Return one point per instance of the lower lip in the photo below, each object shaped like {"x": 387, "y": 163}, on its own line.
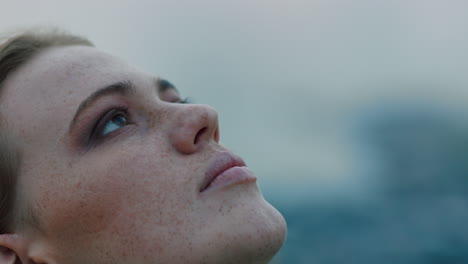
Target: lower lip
{"x": 230, "y": 177}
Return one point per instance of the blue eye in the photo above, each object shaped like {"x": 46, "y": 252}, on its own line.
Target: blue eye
{"x": 116, "y": 122}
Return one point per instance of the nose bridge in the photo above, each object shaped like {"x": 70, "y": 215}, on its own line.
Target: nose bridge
{"x": 194, "y": 126}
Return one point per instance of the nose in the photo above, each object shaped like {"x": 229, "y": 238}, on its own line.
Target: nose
{"x": 194, "y": 127}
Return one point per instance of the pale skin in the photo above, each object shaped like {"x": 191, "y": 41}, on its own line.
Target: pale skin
{"x": 124, "y": 190}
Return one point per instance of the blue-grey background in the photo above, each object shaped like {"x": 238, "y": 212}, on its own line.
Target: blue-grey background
{"x": 352, "y": 113}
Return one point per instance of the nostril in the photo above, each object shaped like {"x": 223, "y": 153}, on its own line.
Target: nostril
{"x": 199, "y": 134}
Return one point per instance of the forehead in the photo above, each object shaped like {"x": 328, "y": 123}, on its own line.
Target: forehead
{"x": 45, "y": 92}
{"x": 61, "y": 71}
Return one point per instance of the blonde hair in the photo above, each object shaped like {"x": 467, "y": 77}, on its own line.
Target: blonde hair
{"x": 16, "y": 49}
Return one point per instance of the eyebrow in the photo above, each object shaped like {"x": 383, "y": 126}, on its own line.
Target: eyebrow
{"x": 123, "y": 88}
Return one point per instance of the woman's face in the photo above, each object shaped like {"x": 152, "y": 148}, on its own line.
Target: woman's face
{"x": 115, "y": 168}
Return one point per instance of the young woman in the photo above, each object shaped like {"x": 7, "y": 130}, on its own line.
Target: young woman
{"x": 101, "y": 162}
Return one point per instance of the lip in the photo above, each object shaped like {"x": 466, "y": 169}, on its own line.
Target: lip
{"x": 226, "y": 168}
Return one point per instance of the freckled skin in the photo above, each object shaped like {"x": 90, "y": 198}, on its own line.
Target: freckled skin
{"x": 133, "y": 198}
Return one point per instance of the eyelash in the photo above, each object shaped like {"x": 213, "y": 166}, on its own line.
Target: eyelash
{"x": 105, "y": 118}
{"x": 186, "y": 100}
{"x": 101, "y": 123}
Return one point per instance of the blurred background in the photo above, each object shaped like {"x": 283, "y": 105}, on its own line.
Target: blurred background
{"x": 353, "y": 114}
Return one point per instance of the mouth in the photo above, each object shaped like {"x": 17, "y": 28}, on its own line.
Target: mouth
{"x": 224, "y": 170}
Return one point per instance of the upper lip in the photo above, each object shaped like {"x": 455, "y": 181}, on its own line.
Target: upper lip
{"x": 220, "y": 163}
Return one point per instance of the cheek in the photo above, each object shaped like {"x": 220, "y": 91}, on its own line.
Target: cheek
{"x": 81, "y": 201}
{"x": 158, "y": 193}
{"x": 123, "y": 193}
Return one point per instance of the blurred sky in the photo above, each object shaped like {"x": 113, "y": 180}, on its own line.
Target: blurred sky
{"x": 290, "y": 79}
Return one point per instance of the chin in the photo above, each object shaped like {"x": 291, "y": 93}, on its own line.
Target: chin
{"x": 269, "y": 236}
{"x": 252, "y": 232}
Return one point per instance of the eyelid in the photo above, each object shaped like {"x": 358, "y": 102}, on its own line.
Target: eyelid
{"x": 100, "y": 124}
{"x": 186, "y": 100}
{"x": 88, "y": 135}
{"x": 95, "y": 135}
